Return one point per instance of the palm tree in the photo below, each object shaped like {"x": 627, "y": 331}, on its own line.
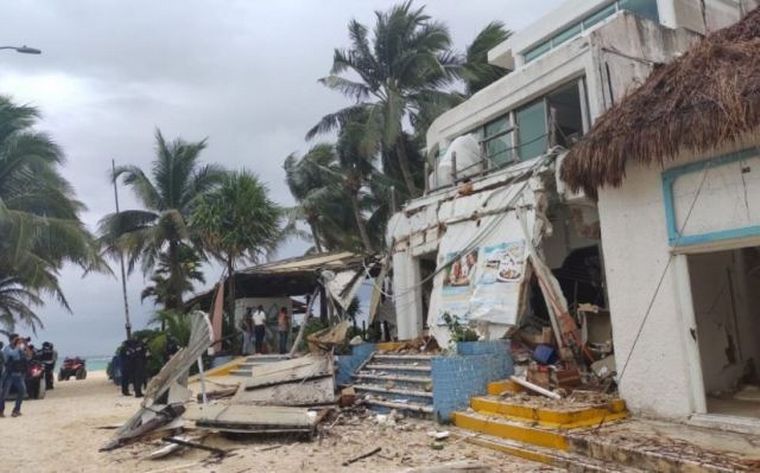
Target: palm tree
{"x": 476, "y": 71}
{"x": 321, "y": 204}
{"x": 39, "y": 217}
{"x": 160, "y": 291}
{"x": 401, "y": 72}
{"x": 237, "y": 221}
{"x": 177, "y": 183}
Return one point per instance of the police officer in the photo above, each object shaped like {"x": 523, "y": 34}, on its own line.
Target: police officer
{"x": 126, "y": 367}
{"x": 48, "y": 356}
{"x": 139, "y": 362}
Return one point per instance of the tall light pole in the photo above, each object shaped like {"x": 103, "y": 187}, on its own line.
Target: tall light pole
{"x": 127, "y": 325}
{"x": 23, "y": 49}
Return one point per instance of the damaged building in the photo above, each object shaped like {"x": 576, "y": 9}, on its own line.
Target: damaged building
{"x": 500, "y": 241}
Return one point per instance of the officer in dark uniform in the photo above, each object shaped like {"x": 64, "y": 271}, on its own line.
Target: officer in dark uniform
{"x": 139, "y": 362}
{"x": 126, "y": 367}
{"x": 48, "y": 356}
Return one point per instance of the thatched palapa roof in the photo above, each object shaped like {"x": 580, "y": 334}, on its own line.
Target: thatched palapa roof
{"x": 707, "y": 97}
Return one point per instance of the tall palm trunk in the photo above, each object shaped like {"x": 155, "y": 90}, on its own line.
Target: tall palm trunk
{"x": 315, "y": 236}
{"x": 360, "y": 224}
{"x": 403, "y": 162}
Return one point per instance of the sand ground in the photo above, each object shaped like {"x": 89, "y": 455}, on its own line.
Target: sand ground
{"x": 62, "y": 433}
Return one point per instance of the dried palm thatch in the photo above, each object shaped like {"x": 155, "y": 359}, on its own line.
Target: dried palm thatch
{"x": 708, "y": 97}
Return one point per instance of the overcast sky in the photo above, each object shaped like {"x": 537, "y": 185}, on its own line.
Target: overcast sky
{"x": 242, "y": 73}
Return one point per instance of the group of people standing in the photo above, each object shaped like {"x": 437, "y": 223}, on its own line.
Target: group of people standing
{"x": 254, "y": 326}
{"x": 14, "y": 362}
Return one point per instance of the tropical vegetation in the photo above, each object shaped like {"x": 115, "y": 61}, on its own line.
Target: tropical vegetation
{"x": 40, "y": 219}
{"x": 159, "y": 235}
{"x": 398, "y": 79}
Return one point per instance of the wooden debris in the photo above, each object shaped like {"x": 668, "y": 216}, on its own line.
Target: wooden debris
{"x": 362, "y": 456}
{"x": 186, "y": 443}
{"x": 535, "y": 388}
{"x": 466, "y": 467}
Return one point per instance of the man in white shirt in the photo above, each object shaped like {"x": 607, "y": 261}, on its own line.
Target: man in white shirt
{"x": 259, "y": 329}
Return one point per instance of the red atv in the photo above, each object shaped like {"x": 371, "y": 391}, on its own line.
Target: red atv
{"x": 72, "y": 367}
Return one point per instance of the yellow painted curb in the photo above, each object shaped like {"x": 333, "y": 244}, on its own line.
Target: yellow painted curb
{"x": 558, "y": 419}
{"x": 498, "y": 387}
{"x": 222, "y": 370}
{"x": 389, "y": 346}
{"x": 523, "y": 453}
{"x": 518, "y": 432}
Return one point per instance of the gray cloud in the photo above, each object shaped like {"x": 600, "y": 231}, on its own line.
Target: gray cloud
{"x": 242, "y": 73}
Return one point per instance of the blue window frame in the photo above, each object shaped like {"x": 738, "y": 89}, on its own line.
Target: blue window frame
{"x": 643, "y": 8}
{"x": 669, "y": 177}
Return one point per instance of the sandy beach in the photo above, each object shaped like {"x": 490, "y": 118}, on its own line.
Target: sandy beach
{"x": 62, "y": 433}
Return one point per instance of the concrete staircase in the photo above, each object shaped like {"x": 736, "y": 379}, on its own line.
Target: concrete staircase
{"x": 244, "y": 369}
{"x": 594, "y": 436}
{"x": 397, "y": 381}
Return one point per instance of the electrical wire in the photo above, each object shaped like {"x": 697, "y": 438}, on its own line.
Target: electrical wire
{"x": 663, "y": 275}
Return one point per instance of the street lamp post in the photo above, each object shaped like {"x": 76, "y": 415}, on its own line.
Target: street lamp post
{"x": 23, "y": 49}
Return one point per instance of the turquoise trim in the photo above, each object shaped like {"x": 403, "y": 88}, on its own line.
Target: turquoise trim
{"x": 671, "y": 175}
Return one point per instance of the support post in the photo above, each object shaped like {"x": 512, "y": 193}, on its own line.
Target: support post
{"x": 453, "y": 167}
{"x": 127, "y": 324}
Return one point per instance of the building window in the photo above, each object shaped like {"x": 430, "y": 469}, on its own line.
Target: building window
{"x": 600, "y": 15}
{"x": 536, "y": 51}
{"x": 531, "y": 130}
{"x": 567, "y": 34}
{"x": 643, "y": 8}
{"x": 497, "y": 141}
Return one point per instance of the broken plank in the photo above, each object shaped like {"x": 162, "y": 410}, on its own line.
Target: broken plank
{"x": 362, "y": 456}
{"x": 186, "y": 443}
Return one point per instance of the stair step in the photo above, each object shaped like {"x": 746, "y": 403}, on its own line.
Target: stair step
{"x": 401, "y": 406}
{"x": 569, "y": 461}
{"x": 567, "y": 418}
{"x": 401, "y": 392}
{"x": 384, "y": 367}
{"x": 394, "y": 379}
{"x": 403, "y": 359}
{"x": 499, "y": 426}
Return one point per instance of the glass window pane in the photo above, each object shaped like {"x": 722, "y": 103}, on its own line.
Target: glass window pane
{"x": 569, "y": 33}
{"x": 531, "y": 129}
{"x": 499, "y": 150}
{"x": 645, "y": 8}
{"x": 494, "y": 127}
{"x": 536, "y": 51}
{"x": 598, "y": 16}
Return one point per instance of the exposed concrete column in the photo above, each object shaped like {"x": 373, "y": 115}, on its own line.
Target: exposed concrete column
{"x": 406, "y": 291}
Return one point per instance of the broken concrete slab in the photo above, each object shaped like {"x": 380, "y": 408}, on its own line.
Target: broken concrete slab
{"x": 314, "y": 392}
{"x": 238, "y": 418}
{"x": 287, "y": 371}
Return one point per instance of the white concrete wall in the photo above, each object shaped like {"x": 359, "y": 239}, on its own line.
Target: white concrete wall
{"x": 627, "y": 44}
{"x": 636, "y": 252}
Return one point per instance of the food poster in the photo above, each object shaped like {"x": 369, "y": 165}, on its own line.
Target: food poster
{"x": 459, "y": 277}
{"x": 497, "y": 292}
{"x": 482, "y": 282}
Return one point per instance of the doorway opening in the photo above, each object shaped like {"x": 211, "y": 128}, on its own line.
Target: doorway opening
{"x": 427, "y": 264}
{"x": 725, "y": 287}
